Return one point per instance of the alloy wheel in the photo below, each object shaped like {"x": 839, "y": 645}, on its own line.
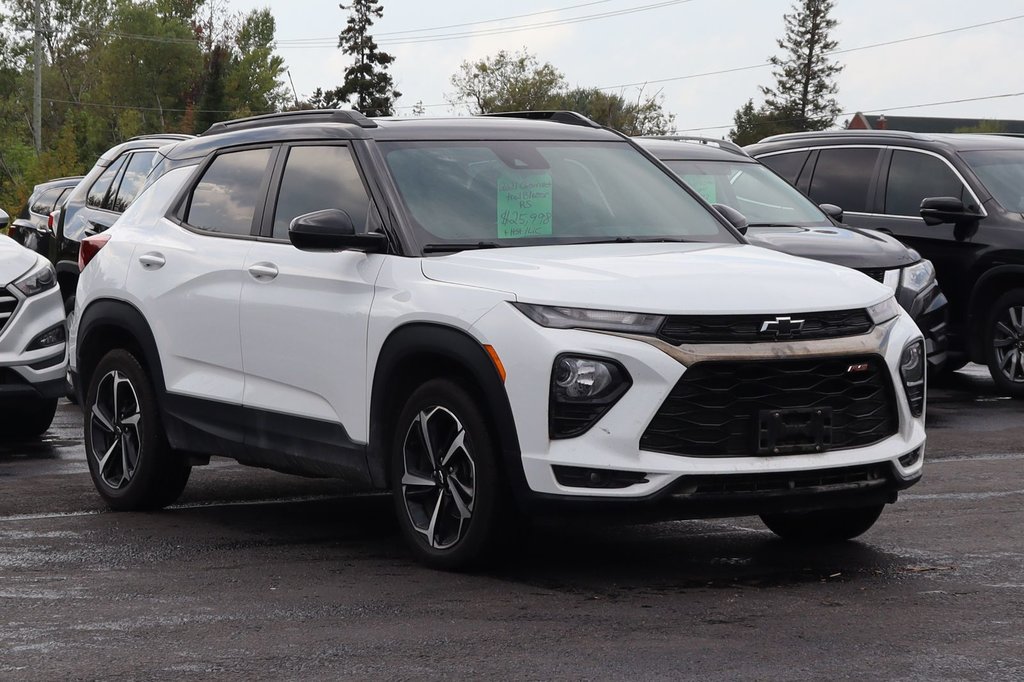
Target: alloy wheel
{"x": 438, "y": 477}
{"x": 1008, "y": 341}
{"x": 116, "y": 437}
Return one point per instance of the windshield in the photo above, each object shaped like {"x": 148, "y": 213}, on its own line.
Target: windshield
{"x": 1002, "y": 173}
{"x": 759, "y": 194}
{"x": 524, "y": 193}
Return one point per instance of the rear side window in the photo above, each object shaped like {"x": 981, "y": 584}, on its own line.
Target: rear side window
{"x": 43, "y": 204}
{"x": 100, "y": 189}
{"x": 914, "y": 176}
{"x": 225, "y": 199}
{"x": 132, "y": 181}
{"x": 843, "y": 177}
{"x": 787, "y": 165}
{"x": 316, "y": 178}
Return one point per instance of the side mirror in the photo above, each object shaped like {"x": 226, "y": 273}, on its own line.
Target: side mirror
{"x": 939, "y": 210}
{"x": 735, "y": 218}
{"x": 832, "y": 211}
{"x": 332, "y": 230}
{"x": 5, "y": 219}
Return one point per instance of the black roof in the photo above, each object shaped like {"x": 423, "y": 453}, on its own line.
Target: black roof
{"x": 953, "y": 142}
{"x": 141, "y": 142}
{"x": 692, "y": 149}
{"x": 305, "y": 126}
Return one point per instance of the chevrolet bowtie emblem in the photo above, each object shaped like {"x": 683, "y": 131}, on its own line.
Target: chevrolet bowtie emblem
{"x": 782, "y": 327}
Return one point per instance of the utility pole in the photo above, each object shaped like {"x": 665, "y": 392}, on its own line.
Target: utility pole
{"x": 37, "y": 94}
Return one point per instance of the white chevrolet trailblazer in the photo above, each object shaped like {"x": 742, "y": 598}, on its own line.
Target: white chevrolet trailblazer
{"x": 491, "y": 317}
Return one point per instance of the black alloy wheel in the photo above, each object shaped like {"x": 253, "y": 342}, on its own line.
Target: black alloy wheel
{"x": 1004, "y": 341}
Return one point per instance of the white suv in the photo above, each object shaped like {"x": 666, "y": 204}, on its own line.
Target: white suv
{"x": 33, "y": 340}
{"x": 490, "y": 317}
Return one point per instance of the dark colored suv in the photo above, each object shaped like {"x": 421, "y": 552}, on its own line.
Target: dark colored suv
{"x": 781, "y": 218}
{"x": 957, "y": 199}
{"x": 33, "y": 228}
{"x": 100, "y": 199}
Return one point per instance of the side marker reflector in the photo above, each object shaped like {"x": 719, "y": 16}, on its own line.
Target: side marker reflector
{"x": 496, "y": 360}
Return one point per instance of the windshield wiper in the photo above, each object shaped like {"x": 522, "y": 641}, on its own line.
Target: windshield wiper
{"x": 770, "y": 225}
{"x": 451, "y": 247}
{"x": 637, "y": 240}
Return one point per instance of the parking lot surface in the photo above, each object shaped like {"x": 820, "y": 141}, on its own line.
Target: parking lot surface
{"x": 255, "y": 575}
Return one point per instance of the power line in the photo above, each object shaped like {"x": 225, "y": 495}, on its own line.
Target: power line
{"x": 762, "y": 65}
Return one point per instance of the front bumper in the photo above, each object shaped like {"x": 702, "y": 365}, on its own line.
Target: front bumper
{"x": 37, "y": 374}
{"x": 930, "y": 310}
{"x": 612, "y": 444}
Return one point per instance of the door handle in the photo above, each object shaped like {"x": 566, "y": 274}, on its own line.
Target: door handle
{"x": 263, "y": 272}
{"x": 152, "y": 261}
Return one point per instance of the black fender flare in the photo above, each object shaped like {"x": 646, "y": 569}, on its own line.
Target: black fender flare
{"x": 456, "y": 347}
{"x": 975, "y": 316}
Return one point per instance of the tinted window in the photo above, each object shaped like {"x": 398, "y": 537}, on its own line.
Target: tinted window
{"x": 1002, "y": 172}
{"x": 787, "y": 165}
{"x": 316, "y": 178}
{"x": 843, "y": 176}
{"x": 225, "y": 199}
{"x": 913, "y": 177}
{"x": 101, "y": 188}
{"x": 131, "y": 182}
{"x": 43, "y": 204}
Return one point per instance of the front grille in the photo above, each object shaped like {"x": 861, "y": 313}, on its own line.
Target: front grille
{"x": 877, "y": 274}
{"x": 715, "y": 409}
{"x": 789, "y": 481}
{"x": 694, "y": 329}
{"x": 8, "y": 304}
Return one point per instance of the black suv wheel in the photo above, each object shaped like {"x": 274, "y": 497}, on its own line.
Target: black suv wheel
{"x": 1004, "y": 342}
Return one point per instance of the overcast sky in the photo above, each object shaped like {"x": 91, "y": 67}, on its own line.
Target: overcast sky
{"x": 682, "y": 38}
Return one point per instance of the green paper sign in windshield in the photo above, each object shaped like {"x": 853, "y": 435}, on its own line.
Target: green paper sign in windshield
{"x": 524, "y": 204}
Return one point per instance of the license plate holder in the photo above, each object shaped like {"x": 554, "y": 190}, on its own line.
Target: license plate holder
{"x": 792, "y": 432}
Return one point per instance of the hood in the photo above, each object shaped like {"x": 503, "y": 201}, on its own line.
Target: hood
{"x": 15, "y": 260}
{"x": 660, "y": 278}
{"x": 860, "y": 249}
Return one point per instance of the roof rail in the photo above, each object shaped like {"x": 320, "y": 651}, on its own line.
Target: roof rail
{"x": 696, "y": 139}
{"x": 898, "y": 134}
{"x": 568, "y": 117}
{"x": 162, "y": 136}
{"x": 289, "y": 117}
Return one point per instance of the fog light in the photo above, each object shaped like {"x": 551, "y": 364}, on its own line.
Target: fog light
{"x": 582, "y": 390}
{"x": 910, "y": 459}
{"x": 51, "y": 337}
{"x": 912, "y": 370}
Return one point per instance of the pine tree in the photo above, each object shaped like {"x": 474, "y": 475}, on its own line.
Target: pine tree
{"x": 367, "y": 80}
{"x": 805, "y": 76}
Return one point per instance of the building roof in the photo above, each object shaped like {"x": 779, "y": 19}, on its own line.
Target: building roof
{"x": 928, "y": 124}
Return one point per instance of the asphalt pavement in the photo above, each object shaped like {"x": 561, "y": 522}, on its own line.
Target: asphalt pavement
{"x": 256, "y": 575}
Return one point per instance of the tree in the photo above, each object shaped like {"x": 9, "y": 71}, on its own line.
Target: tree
{"x": 507, "y": 82}
{"x": 253, "y": 80}
{"x": 756, "y": 123}
{"x": 645, "y": 116}
{"x": 367, "y": 80}
{"x": 805, "y": 76}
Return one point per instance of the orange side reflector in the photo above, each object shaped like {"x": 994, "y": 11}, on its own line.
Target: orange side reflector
{"x": 497, "y": 361}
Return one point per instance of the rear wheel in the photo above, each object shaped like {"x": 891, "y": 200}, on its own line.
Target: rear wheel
{"x": 446, "y": 480}
{"x": 29, "y": 419}
{"x": 131, "y": 464}
{"x": 823, "y": 526}
{"x": 1004, "y": 343}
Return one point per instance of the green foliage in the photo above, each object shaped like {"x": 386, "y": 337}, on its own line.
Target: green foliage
{"x": 642, "y": 117}
{"x": 756, "y": 123}
{"x": 367, "y": 81}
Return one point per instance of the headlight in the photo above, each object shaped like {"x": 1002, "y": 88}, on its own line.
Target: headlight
{"x": 884, "y": 311}
{"x": 558, "y": 317}
{"x": 41, "y": 279}
{"x": 918, "y": 277}
{"x": 583, "y": 389}
{"x": 912, "y": 371}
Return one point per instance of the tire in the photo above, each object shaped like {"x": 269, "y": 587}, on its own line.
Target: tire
{"x": 452, "y": 511}
{"x": 1004, "y": 343}
{"x": 131, "y": 464}
{"x": 69, "y": 311}
{"x": 823, "y": 526}
{"x": 30, "y": 419}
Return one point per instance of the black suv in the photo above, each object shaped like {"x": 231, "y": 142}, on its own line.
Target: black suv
{"x": 781, "y": 218}
{"x": 33, "y": 227}
{"x": 99, "y": 200}
{"x": 957, "y": 199}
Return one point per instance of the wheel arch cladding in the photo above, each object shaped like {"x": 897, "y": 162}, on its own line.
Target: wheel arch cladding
{"x": 418, "y": 352}
{"x": 990, "y": 286}
{"x": 108, "y": 324}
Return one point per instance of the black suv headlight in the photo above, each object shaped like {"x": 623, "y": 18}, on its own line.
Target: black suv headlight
{"x": 41, "y": 278}
{"x": 583, "y": 389}
{"x": 913, "y": 280}
{"x": 912, "y": 370}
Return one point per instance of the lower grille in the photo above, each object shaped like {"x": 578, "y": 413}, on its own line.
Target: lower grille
{"x": 790, "y": 481}
{"x": 8, "y": 304}
{"x": 716, "y": 409}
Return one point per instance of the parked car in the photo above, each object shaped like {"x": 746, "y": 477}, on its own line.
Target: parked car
{"x": 33, "y": 228}
{"x": 33, "y": 340}
{"x": 489, "y": 316}
{"x": 957, "y": 199}
{"x": 99, "y": 199}
{"x": 781, "y": 218}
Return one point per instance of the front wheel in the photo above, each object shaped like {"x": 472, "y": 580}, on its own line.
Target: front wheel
{"x": 131, "y": 464}
{"x": 1004, "y": 343}
{"x": 823, "y": 526}
{"x": 445, "y": 477}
